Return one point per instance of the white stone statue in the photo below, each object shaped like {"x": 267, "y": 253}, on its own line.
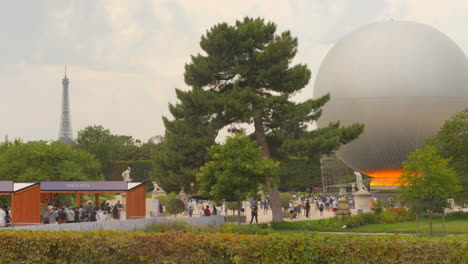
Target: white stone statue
{"x": 126, "y": 175}
{"x": 157, "y": 189}
{"x": 359, "y": 182}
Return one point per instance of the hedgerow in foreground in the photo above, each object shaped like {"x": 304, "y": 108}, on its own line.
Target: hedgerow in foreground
{"x": 112, "y": 247}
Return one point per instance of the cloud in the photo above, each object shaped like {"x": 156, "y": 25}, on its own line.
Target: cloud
{"x": 125, "y": 58}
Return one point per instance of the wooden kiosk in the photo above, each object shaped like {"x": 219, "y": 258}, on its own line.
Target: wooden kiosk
{"x": 26, "y": 197}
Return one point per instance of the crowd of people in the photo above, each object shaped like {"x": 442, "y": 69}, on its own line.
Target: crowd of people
{"x": 60, "y": 214}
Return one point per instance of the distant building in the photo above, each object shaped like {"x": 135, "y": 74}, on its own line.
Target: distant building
{"x": 65, "y": 131}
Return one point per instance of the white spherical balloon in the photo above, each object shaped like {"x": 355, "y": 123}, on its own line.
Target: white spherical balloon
{"x": 402, "y": 80}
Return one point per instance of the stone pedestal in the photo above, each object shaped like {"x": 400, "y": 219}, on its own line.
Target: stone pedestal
{"x": 343, "y": 208}
{"x": 362, "y": 201}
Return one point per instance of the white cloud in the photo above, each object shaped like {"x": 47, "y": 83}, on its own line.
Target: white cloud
{"x": 126, "y": 57}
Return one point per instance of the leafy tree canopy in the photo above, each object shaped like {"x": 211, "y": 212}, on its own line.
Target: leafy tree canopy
{"x": 452, "y": 142}
{"x": 427, "y": 181}
{"x": 43, "y": 161}
{"x": 237, "y": 169}
{"x": 108, "y": 147}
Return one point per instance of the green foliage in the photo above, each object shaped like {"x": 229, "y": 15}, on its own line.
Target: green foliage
{"x": 43, "y": 161}
{"x": 452, "y": 143}
{"x": 233, "y": 206}
{"x": 237, "y": 168}
{"x": 258, "y": 229}
{"x": 285, "y": 199}
{"x": 163, "y": 199}
{"x": 98, "y": 141}
{"x": 171, "y": 247}
{"x": 108, "y": 147}
{"x": 427, "y": 182}
{"x": 175, "y": 206}
{"x": 169, "y": 227}
{"x": 299, "y": 174}
{"x": 235, "y": 218}
{"x": 457, "y": 215}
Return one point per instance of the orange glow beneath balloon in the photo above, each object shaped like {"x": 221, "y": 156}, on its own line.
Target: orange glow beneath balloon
{"x": 384, "y": 177}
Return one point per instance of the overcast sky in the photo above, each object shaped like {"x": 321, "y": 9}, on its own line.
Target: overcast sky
{"x": 125, "y": 58}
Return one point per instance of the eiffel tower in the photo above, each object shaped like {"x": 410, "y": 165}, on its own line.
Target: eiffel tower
{"x": 65, "y": 131}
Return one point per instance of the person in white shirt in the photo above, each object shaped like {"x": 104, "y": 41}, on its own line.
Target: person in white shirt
{"x": 2, "y": 218}
{"x": 291, "y": 210}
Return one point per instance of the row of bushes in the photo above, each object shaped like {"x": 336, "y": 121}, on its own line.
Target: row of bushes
{"x": 387, "y": 216}
{"x": 111, "y": 247}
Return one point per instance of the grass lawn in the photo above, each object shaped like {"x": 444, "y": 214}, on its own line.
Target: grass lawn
{"x": 456, "y": 226}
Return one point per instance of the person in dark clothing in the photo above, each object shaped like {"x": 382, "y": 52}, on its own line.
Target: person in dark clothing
{"x": 115, "y": 212}
{"x": 92, "y": 216}
{"x": 307, "y": 207}
{"x": 215, "y": 211}
{"x": 254, "y": 214}
{"x": 77, "y": 215}
{"x": 62, "y": 215}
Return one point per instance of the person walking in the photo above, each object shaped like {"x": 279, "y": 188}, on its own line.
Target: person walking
{"x": 307, "y": 208}
{"x": 320, "y": 207}
{"x": 254, "y": 214}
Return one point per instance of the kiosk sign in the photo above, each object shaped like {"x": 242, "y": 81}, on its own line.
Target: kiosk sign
{"x": 85, "y": 186}
{"x": 6, "y": 186}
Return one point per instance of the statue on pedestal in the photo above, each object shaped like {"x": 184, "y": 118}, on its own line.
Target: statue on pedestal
{"x": 359, "y": 182}
{"x": 126, "y": 175}
{"x": 362, "y": 196}
{"x": 157, "y": 189}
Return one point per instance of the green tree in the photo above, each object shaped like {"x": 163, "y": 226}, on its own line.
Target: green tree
{"x": 298, "y": 174}
{"x": 98, "y": 141}
{"x": 452, "y": 142}
{"x": 427, "y": 182}
{"x": 43, "y": 161}
{"x": 237, "y": 169}
{"x": 179, "y": 155}
{"x": 245, "y": 77}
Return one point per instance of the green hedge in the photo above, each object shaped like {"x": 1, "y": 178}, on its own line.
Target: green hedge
{"x": 114, "y": 247}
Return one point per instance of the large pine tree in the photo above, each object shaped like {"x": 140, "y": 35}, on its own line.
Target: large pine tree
{"x": 245, "y": 76}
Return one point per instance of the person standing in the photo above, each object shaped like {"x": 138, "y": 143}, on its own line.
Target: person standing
{"x": 77, "y": 215}
{"x": 115, "y": 212}
{"x": 215, "y": 211}
{"x": 254, "y": 214}
{"x": 307, "y": 208}
{"x": 207, "y": 212}
{"x": 335, "y": 205}
{"x": 70, "y": 214}
{"x": 53, "y": 214}
{"x": 320, "y": 207}
{"x": 291, "y": 210}
{"x": 3, "y": 216}
{"x": 190, "y": 208}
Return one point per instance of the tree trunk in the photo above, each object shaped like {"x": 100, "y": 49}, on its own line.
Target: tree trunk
{"x": 417, "y": 224}
{"x": 238, "y": 213}
{"x": 275, "y": 201}
{"x": 443, "y": 223}
{"x": 430, "y": 223}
